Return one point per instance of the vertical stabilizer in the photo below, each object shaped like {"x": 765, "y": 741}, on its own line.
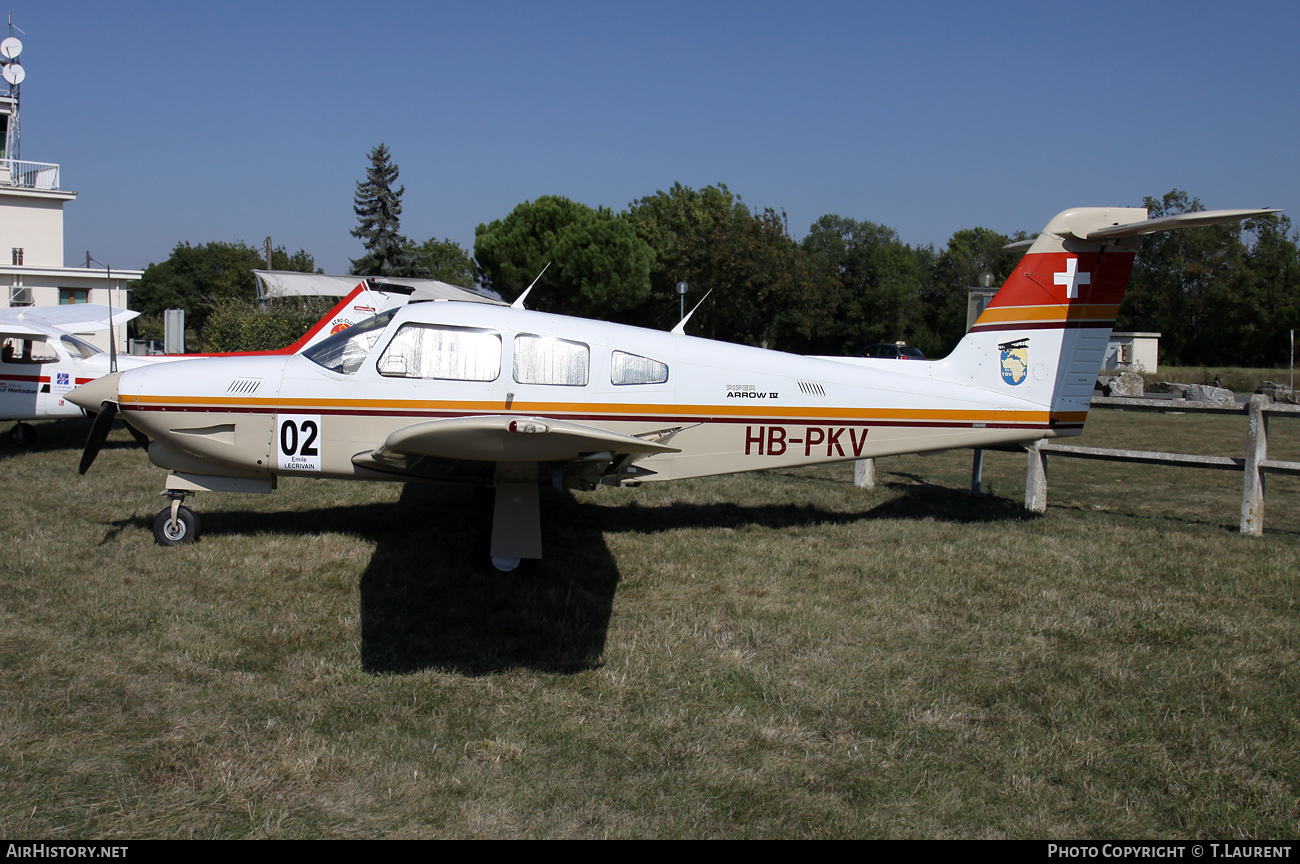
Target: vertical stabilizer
{"x": 1044, "y": 335}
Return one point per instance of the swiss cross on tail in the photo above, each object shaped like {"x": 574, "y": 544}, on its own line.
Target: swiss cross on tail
{"x": 1074, "y": 273}
{"x": 1055, "y": 287}
{"x": 1072, "y": 279}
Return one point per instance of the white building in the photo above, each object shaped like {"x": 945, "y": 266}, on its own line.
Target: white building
{"x": 31, "y": 227}
{"x": 1132, "y": 352}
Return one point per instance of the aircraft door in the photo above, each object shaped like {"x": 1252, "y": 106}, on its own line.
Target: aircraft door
{"x": 23, "y": 371}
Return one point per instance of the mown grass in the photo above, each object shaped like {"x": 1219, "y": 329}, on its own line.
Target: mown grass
{"x": 767, "y": 655}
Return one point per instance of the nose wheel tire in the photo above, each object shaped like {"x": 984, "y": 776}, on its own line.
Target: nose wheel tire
{"x": 185, "y": 528}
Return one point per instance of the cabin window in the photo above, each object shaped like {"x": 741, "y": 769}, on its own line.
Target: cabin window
{"x": 448, "y": 353}
{"x": 344, "y": 351}
{"x": 627, "y": 368}
{"x": 547, "y": 360}
{"x": 27, "y": 351}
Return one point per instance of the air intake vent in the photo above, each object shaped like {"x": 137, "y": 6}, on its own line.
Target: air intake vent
{"x": 812, "y": 388}
{"x": 244, "y": 386}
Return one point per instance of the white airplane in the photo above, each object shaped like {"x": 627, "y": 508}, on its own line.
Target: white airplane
{"x": 43, "y": 359}
{"x": 512, "y": 398}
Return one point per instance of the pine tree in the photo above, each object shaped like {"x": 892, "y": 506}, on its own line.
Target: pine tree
{"x": 379, "y": 211}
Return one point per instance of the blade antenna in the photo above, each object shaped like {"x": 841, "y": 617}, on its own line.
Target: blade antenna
{"x": 519, "y": 301}
{"x": 680, "y": 329}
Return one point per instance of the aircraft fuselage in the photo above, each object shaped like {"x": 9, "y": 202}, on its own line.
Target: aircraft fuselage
{"x": 725, "y": 407}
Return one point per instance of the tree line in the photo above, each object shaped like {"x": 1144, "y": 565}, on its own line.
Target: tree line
{"x": 1220, "y": 296}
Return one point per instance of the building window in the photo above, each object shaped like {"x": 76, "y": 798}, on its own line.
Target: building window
{"x": 70, "y": 296}
{"x": 18, "y": 255}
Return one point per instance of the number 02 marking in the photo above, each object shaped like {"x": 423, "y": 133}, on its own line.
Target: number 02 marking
{"x": 289, "y": 438}
{"x": 299, "y": 442}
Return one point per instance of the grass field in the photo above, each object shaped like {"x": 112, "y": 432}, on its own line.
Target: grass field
{"x": 766, "y": 655}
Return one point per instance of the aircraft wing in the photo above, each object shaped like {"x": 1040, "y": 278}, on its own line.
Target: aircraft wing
{"x": 41, "y": 321}
{"x": 503, "y": 438}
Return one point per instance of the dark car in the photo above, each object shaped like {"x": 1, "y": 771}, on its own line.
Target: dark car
{"x": 892, "y": 351}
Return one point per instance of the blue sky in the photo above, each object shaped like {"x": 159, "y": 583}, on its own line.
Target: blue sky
{"x": 232, "y": 120}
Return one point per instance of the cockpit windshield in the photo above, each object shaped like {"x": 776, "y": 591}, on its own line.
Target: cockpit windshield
{"x": 344, "y": 351}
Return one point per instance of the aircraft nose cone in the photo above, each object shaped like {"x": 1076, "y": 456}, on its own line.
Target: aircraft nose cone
{"x": 94, "y": 393}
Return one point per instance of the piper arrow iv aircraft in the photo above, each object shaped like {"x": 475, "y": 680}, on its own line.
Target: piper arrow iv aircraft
{"x": 512, "y": 398}
{"x": 43, "y": 360}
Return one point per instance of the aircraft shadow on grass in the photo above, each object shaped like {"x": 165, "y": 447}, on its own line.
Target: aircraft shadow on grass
{"x": 930, "y": 502}
{"x": 427, "y": 600}
{"x": 66, "y": 434}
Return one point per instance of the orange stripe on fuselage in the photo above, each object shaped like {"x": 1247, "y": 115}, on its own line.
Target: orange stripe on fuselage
{"x": 607, "y": 411}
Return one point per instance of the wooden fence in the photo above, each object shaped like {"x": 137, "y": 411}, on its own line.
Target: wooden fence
{"x": 1254, "y": 466}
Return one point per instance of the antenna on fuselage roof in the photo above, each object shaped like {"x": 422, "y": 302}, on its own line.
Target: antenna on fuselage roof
{"x": 519, "y": 301}
{"x": 680, "y": 329}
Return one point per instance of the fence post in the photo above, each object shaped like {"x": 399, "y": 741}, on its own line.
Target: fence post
{"x": 977, "y": 470}
{"x": 1252, "y": 490}
{"x": 1036, "y": 478}
{"x": 864, "y": 473}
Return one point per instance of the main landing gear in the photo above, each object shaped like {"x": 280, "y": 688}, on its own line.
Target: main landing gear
{"x": 177, "y": 523}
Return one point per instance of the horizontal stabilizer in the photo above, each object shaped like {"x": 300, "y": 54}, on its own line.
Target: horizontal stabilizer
{"x": 1084, "y": 231}
{"x": 1182, "y": 220}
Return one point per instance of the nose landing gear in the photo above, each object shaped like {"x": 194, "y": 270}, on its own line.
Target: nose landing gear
{"x": 176, "y": 524}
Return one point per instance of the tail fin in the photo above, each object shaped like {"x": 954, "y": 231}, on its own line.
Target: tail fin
{"x": 1044, "y": 335}
{"x": 361, "y": 303}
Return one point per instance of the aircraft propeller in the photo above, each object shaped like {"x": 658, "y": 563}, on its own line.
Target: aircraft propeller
{"x": 98, "y": 434}
{"x": 101, "y": 397}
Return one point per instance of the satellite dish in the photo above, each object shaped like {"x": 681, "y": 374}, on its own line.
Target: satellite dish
{"x": 11, "y": 48}
{"x": 15, "y": 74}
